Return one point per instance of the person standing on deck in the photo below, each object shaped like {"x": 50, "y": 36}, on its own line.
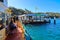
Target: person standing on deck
{"x": 20, "y": 27}
{"x": 12, "y": 26}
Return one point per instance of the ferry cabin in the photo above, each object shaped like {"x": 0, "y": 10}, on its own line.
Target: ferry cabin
{"x": 3, "y": 6}
{"x": 28, "y": 18}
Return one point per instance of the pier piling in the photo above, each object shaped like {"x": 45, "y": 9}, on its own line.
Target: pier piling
{"x": 49, "y": 20}
{"x": 54, "y": 20}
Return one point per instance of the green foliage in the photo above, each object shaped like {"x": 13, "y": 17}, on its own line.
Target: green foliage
{"x": 16, "y": 11}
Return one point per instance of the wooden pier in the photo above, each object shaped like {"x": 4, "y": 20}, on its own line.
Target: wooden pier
{"x": 34, "y": 18}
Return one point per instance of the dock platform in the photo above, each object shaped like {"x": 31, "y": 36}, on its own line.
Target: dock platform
{"x": 34, "y": 18}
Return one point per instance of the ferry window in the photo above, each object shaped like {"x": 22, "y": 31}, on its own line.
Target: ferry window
{"x": 1, "y": 0}
{"x": 1, "y": 24}
{"x": 2, "y": 20}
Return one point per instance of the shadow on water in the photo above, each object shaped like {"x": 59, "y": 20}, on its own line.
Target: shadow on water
{"x": 44, "y": 31}
{"x": 38, "y": 24}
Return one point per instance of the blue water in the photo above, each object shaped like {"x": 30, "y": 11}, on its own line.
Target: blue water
{"x": 45, "y": 31}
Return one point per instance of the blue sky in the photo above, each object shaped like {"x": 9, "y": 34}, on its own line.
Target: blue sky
{"x": 41, "y": 5}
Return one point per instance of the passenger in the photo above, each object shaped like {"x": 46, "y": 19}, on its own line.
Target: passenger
{"x": 7, "y": 29}
{"x": 12, "y": 26}
{"x": 20, "y": 28}
{"x": 19, "y": 24}
{"x": 1, "y": 24}
{"x": 14, "y": 18}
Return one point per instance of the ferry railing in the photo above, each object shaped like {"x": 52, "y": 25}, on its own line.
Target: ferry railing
{"x": 27, "y": 35}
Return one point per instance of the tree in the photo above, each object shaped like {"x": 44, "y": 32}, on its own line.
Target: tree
{"x": 27, "y": 11}
{"x": 17, "y": 11}
{"x": 14, "y": 11}
{"x": 21, "y": 11}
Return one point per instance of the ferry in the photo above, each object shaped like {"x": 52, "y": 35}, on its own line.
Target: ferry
{"x": 34, "y": 18}
{"x": 3, "y": 18}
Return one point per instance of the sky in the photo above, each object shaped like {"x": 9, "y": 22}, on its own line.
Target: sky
{"x": 36, "y": 5}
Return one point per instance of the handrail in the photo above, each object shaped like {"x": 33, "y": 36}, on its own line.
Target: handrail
{"x": 26, "y": 33}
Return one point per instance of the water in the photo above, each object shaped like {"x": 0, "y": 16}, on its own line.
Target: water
{"x": 44, "y": 31}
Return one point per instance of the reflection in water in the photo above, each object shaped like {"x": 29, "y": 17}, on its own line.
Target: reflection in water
{"x": 45, "y": 31}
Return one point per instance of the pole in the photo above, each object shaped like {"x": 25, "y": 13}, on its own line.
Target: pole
{"x": 49, "y": 20}
{"x": 5, "y": 19}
